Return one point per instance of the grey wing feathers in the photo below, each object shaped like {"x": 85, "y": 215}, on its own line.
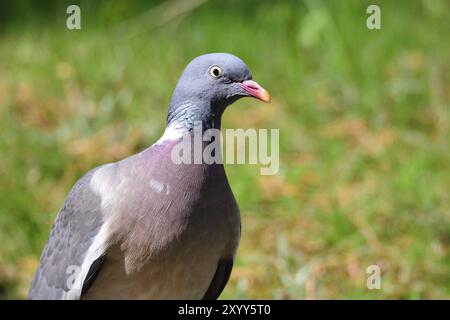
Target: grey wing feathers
{"x": 73, "y": 232}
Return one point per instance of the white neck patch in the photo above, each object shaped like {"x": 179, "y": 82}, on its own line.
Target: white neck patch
{"x": 172, "y": 132}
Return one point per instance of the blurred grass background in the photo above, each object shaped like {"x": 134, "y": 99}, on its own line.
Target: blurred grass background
{"x": 364, "y": 122}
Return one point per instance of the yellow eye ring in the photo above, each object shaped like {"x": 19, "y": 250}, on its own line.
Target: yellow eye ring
{"x": 215, "y": 72}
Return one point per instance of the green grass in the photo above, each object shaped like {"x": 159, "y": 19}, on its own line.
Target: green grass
{"x": 364, "y": 120}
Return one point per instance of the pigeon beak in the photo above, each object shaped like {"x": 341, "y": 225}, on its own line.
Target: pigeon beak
{"x": 255, "y": 90}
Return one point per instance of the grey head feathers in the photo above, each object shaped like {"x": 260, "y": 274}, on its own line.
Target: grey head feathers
{"x": 206, "y": 87}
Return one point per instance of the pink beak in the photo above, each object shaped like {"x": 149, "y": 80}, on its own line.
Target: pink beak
{"x": 255, "y": 90}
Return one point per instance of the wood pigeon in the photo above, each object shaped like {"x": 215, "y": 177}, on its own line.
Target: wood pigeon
{"x": 146, "y": 227}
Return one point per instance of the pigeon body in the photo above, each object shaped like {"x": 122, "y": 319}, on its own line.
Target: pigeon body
{"x": 146, "y": 227}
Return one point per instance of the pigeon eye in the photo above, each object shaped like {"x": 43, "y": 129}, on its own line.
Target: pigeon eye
{"x": 215, "y": 72}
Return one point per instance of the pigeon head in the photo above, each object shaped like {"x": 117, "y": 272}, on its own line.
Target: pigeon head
{"x": 209, "y": 84}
